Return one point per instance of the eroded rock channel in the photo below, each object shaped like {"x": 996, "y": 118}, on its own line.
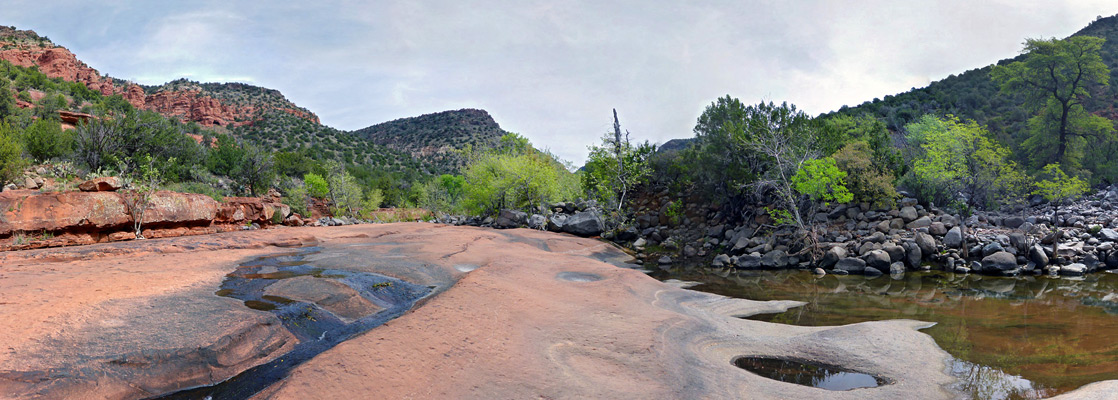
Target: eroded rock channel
{"x": 320, "y": 307}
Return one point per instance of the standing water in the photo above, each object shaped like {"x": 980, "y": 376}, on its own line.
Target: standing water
{"x": 1011, "y": 338}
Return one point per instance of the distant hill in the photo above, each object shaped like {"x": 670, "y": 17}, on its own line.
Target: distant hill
{"x": 973, "y": 95}
{"x": 435, "y": 138}
{"x": 208, "y": 104}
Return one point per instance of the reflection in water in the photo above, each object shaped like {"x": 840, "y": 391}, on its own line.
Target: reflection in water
{"x": 807, "y": 374}
{"x": 1013, "y": 338}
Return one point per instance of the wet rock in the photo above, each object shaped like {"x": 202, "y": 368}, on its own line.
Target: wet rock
{"x": 896, "y": 268}
{"x": 851, "y": 264}
{"x": 1076, "y": 269}
{"x": 749, "y": 261}
{"x": 664, "y": 260}
{"x": 819, "y": 271}
{"x": 999, "y": 262}
{"x": 871, "y": 272}
{"x": 896, "y": 253}
{"x": 333, "y": 296}
{"x": 721, "y": 260}
{"x": 775, "y": 259}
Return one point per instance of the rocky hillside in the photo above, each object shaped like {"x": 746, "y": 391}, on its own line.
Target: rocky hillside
{"x": 209, "y": 104}
{"x": 434, "y": 138}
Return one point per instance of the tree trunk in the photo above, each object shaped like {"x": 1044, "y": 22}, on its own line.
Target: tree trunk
{"x": 1062, "y": 148}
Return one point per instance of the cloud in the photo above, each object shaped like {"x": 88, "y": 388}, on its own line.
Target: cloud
{"x": 554, "y": 70}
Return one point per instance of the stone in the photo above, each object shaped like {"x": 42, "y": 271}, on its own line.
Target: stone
{"x": 954, "y": 238}
{"x": 775, "y": 259}
{"x": 510, "y": 219}
{"x": 878, "y": 259}
{"x": 999, "y": 262}
{"x": 871, "y": 272}
{"x": 908, "y": 202}
{"x": 557, "y": 222}
{"x": 721, "y": 260}
{"x": 585, "y": 224}
{"x": 913, "y": 253}
{"x": 640, "y": 243}
{"x": 1108, "y": 234}
{"x": 1018, "y": 241}
{"x": 908, "y": 213}
{"x": 819, "y": 271}
{"x": 922, "y": 222}
{"x": 537, "y": 221}
{"x": 896, "y": 253}
{"x": 896, "y": 268}
{"x": 926, "y": 242}
{"x": 883, "y": 226}
{"x": 664, "y": 260}
{"x": 104, "y": 184}
{"x": 1076, "y": 269}
{"x": 1038, "y": 256}
{"x": 851, "y": 264}
{"x": 832, "y": 256}
{"x": 749, "y": 261}
{"x": 1013, "y": 222}
{"x": 689, "y": 251}
{"x": 937, "y": 228}
{"x": 991, "y": 248}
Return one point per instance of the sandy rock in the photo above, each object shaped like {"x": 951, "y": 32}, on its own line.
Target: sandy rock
{"x": 103, "y": 184}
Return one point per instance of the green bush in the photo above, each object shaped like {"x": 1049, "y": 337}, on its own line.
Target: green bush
{"x": 11, "y": 154}
{"x": 316, "y": 185}
{"x": 45, "y": 140}
{"x": 865, "y": 180}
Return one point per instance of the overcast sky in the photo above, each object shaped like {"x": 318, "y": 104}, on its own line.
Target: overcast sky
{"x": 551, "y": 71}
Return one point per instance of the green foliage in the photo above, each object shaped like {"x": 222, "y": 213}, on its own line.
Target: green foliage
{"x": 316, "y": 185}
{"x": 1057, "y": 187}
{"x": 297, "y": 198}
{"x": 720, "y": 160}
{"x": 225, "y": 158}
{"x": 866, "y": 181}
{"x": 822, "y": 180}
{"x": 837, "y": 131}
{"x": 344, "y": 192}
{"x": 141, "y": 182}
{"x": 959, "y": 157}
{"x": 255, "y": 170}
{"x": 11, "y": 154}
{"x": 615, "y": 166}
{"x": 1055, "y": 77}
{"x": 517, "y": 178}
{"x": 436, "y": 139}
{"x": 45, "y": 140}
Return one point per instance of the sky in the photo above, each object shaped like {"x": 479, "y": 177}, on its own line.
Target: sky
{"x": 552, "y": 70}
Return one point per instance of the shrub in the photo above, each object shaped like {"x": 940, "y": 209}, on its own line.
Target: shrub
{"x": 866, "y": 181}
{"x": 11, "y": 154}
{"x": 316, "y": 185}
{"x": 45, "y": 140}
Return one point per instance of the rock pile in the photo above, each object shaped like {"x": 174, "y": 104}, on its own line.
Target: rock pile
{"x": 857, "y": 239}
{"x": 582, "y": 218}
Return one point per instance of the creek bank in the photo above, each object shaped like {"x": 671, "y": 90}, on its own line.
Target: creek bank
{"x": 860, "y": 239}
{"x": 580, "y": 218}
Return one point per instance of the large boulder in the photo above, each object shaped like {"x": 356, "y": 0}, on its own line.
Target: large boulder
{"x": 511, "y": 219}
{"x": 586, "y": 224}
{"x": 1075, "y": 269}
{"x": 832, "y": 256}
{"x": 104, "y": 184}
{"x": 1013, "y": 222}
{"x": 557, "y": 222}
{"x": 908, "y": 213}
{"x": 1108, "y": 235}
{"x": 98, "y": 211}
{"x": 878, "y": 259}
{"x": 913, "y": 254}
{"x": 926, "y": 242}
{"x": 999, "y": 262}
{"x": 954, "y": 238}
{"x": 922, "y": 222}
{"x": 1038, "y": 256}
{"x": 851, "y": 264}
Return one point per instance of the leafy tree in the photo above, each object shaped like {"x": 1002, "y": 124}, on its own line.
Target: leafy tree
{"x": 956, "y": 157}
{"x": 256, "y": 169}
{"x": 822, "y": 180}
{"x": 11, "y": 154}
{"x": 1055, "y": 77}
{"x": 7, "y": 102}
{"x": 721, "y": 160}
{"x": 866, "y": 181}
{"x": 1057, "y": 187}
{"x": 225, "y": 158}
{"x": 45, "y": 140}
{"x": 96, "y": 141}
{"x": 345, "y": 194}
{"x": 837, "y": 131}
{"x": 613, "y": 168}
{"x": 316, "y": 185}
{"x": 785, "y": 138}
{"x": 517, "y": 177}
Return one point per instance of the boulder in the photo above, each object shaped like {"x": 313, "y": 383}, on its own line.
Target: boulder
{"x": 878, "y": 259}
{"x": 937, "y": 228}
{"x": 664, "y": 260}
{"x": 832, "y": 256}
{"x": 721, "y": 260}
{"x": 896, "y": 253}
{"x": 851, "y": 264}
{"x": 896, "y": 268}
{"x": 908, "y": 213}
{"x": 511, "y": 219}
{"x": 871, "y": 272}
{"x": 999, "y": 262}
{"x": 1038, "y": 256}
{"x": 557, "y": 222}
{"x": 926, "y": 242}
{"x": 104, "y": 184}
{"x": 1075, "y": 269}
{"x": 1013, "y": 222}
{"x": 585, "y": 224}
{"x": 922, "y": 222}
{"x": 749, "y": 261}
{"x": 954, "y": 238}
{"x": 913, "y": 253}
{"x": 991, "y": 248}
{"x": 775, "y": 259}
{"x": 1108, "y": 234}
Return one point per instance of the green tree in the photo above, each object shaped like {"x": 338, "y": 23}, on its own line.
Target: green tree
{"x": 255, "y": 170}
{"x": 344, "y": 191}
{"x": 1055, "y": 77}
{"x": 614, "y": 167}
{"x": 45, "y": 140}
{"x": 11, "y": 154}
{"x": 1057, "y": 187}
{"x": 822, "y": 180}
{"x": 140, "y": 184}
{"x": 720, "y": 159}
{"x": 956, "y": 157}
{"x": 97, "y": 140}
{"x": 866, "y": 181}
{"x": 516, "y": 177}
{"x": 7, "y": 101}
{"x": 785, "y": 138}
{"x": 316, "y": 185}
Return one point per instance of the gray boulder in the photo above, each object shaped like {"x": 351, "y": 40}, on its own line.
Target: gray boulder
{"x": 908, "y": 213}
{"x": 1076, "y": 269}
{"x": 871, "y": 272}
{"x": 557, "y": 222}
{"x": 896, "y": 269}
{"x": 720, "y": 261}
{"x": 511, "y": 219}
{"x": 1108, "y": 234}
{"x": 999, "y": 262}
{"x": 585, "y": 224}
{"x": 991, "y": 248}
{"x": 896, "y": 253}
{"x": 749, "y": 261}
{"x": 664, "y": 260}
{"x": 851, "y": 264}
{"x": 537, "y": 221}
{"x": 922, "y": 222}
{"x": 937, "y": 228}
{"x": 954, "y": 238}
{"x": 1013, "y": 222}
{"x": 913, "y": 253}
{"x": 775, "y": 259}
{"x": 926, "y": 242}
{"x": 1038, "y": 256}
{"x": 832, "y": 256}
{"x": 878, "y": 259}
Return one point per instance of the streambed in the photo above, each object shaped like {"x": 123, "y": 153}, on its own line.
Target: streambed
{"x": 1011, "y": 338}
